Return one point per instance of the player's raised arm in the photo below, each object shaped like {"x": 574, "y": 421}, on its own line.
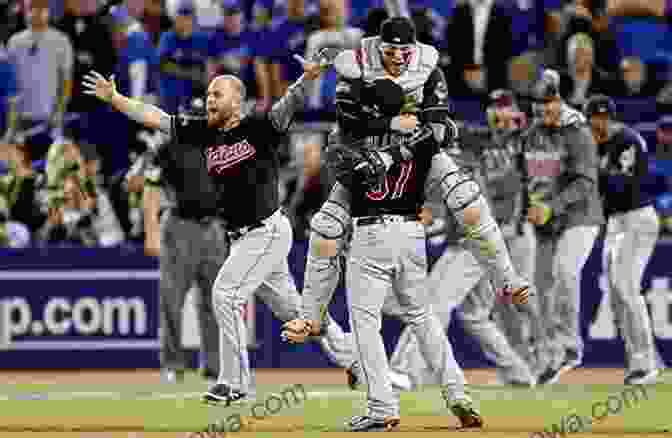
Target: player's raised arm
{"x": 105, "y": 89}
{"x": 282, "y": 113}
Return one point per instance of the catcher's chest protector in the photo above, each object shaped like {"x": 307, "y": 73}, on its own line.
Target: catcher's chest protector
{"x": 412, "y": 80}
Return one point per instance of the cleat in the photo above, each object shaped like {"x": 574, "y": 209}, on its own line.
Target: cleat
{"x": 222, "y": 395}
{"x": 353, "y": 374}
{"x": 469, "y": 417}
{"x": 369, "y": 424}
{"x": 641, "y": 377}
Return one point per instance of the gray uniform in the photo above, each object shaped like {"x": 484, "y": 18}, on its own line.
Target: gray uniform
{"x": 373, "y": 244}
{"x": 631, "y": 235}
{"x": 458, "y": 279}
{"x": 562, "y": 167}
{"x": 193, "y": 247}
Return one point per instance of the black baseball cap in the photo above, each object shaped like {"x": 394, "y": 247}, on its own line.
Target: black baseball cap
{"x": 398, "y": 31}
{"x": 599, "y": 104}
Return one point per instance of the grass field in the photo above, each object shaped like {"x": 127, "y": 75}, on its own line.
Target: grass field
{"x": 137, "y": 404}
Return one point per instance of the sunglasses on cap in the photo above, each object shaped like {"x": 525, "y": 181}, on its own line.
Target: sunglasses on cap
{"x": 389, "y": 49}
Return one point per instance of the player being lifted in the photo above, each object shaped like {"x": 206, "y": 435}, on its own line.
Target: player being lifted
{"x": 384, "y": 159}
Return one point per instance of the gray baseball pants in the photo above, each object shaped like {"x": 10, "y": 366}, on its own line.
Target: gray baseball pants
{"x": 458, "y": 279}
{"x": 257, "y": 264}
{"x": 629, "y": 244}
{"x": 190, "y": 252}
{"x": 560, "y": 261}
{"x": 384, "y": 259}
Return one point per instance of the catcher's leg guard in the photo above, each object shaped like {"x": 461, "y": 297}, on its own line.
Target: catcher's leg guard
{"x": 329, "y": 229}
{"x": 462, "y": 195}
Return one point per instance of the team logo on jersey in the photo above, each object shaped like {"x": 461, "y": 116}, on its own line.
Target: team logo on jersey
{"x": 226, "y": 156}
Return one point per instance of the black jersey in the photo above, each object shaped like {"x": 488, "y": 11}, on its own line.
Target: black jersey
{"x": 403, "y": 190}
{"x": 242, "y": 163}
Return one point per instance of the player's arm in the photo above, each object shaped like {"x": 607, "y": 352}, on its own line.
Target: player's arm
{"x": 349, "y": 110}
{"x": 65, "y": 83}
{"x": 151, "y": 202}
{"x": 282, "y": 113}
{"x": 436, "y": 109}
{"x": 146, "y": 114}
{"x": 582, "y": 168}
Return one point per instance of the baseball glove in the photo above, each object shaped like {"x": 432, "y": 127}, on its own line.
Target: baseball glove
{"x": 297, "y": 331}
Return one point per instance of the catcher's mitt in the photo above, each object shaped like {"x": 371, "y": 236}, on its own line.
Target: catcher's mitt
{"x": 297, "y": 331}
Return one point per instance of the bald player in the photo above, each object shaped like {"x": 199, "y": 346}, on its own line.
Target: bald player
{"x": 242, "y": 160}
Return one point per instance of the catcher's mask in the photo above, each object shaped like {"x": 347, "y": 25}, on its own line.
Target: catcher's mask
{"x": 386, "y": 96}
{"x": 398, "y": 44}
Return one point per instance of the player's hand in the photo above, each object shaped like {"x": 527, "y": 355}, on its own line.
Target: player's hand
{"x": 55, "y": 215}
{"x": 96, "y": 85}
{"x": 152, "y": 246}
{"x": 405, "y": 123}
{"x": 426, "y": 217}
{"x": 519, "y": 295}
{"x": 311, "y": 70}
{"x": 538, "y": 214}
{"x": 297, "y": 331}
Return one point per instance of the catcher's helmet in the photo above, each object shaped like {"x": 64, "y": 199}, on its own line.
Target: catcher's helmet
{"x": 397, "y": 31}
{"x": 599, "y": 104}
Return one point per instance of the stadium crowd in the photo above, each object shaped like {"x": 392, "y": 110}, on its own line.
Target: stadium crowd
{"x": 72, "y": 170}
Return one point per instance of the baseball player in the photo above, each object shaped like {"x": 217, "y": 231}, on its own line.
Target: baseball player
{"x": 391, "y": 54}
{"x": 241, "y": 157}
{"x": 457, "y": 278}
{"x": 190, "y": 243}
{"x": 387, "y": 256}
{"x": 632, "y": 232}
{"x": 561, "y": 175}
{"x": 395, "y": 54}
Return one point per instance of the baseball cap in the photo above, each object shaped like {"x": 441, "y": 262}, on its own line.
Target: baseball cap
{"x": 599, "y": 104}
{"x": 397, "y": 31}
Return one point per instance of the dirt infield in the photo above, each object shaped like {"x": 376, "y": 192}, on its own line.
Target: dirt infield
{"x": 269, "y": 376}
{"x": 285, "y": 426}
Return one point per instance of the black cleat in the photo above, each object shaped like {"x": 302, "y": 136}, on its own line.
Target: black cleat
{"x": 222, "y": 395}
{"x": 365, "y": 423}
{"x": 353, "y": 375}
{"x": 641, "y": 377}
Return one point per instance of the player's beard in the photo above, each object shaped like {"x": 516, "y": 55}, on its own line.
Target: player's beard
{"x": 393, "y": 67}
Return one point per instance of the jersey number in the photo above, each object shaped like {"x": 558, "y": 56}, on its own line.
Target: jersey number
{"x": 399, "y": 182}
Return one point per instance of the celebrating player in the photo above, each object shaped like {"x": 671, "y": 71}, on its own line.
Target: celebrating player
{"x": 241, "y": 154}
{"x": 632, "y": 232}
{"x": 565, "y": 208}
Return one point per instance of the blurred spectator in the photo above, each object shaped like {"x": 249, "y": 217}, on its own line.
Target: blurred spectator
{"x": 480, "y": 44}
{"x": 634, "y": 80}
{"x": 155, "y": 20}
{"x": 374, "y": 19}
{"x": 267, "y": 79}
{"x": 11, "y": 19}
{"x": 93, "y": 50}
{"x": 553, "y": 36}
{"x": 135, "y": 75}
{"x": 183, "y": 54}
{"x": 8, "y": 93}
{"x": 18, "y": 191}
{"x": 288, "y": 37}
{"x": 307, "y": 145}
{"x": 582, "y": 78}
{"x": 79, "y": 212}
{"x": 522, "y": 75}
{"x": 639, "y": 8}
{"x": 664, "y": 138}
{"x": 208, "y": 13}
{"x": 43, "y": 58}
{"x": 584, "y": 16}
{"x": 230, "y": 48}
